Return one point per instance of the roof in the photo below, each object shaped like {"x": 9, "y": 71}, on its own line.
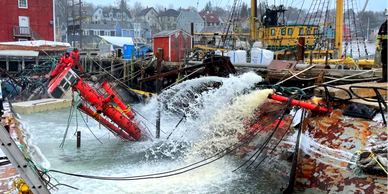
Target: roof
{"x": 98, "y": 26}
{"x": 209, "y": 17}
{"x": 243, "y": 19}
{"x": 217, "y": 29}
{"x": 169, "y": 13}
{"x": 115, "y": 11}
{"x": 190, "y": 16}
{"x": 125, "y": 25}
{"x": 19, "y": 53}
{"x": 118, "y": 41}
{"x": 145, "y": 11}
{"x": 97, "y": 8}
{"x": 167, "y": 33}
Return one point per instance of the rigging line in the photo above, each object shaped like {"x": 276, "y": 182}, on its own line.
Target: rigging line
{"x": 277, "y": 144}
{"x": 156, "y": 175}
{"x": 355, "y": 27}
{"x": 349, "y": 37}
{"x": 68, "y": 125}
{"x": 289, "y": 12}
{"x": 313, "y": 11}
{"x": 283, "y": 111}
{"x": 227, "y": 150}
{"x": 261, "y": 149}
{"x": 297, "y": 18}
{"x": 228, "y": 24}
{"x": 308, "y": 11}
{"x": 89, "y": 127}
{"x": 184, "y": 116}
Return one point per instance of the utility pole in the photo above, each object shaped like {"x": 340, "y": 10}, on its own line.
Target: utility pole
{"x": 80, "y": 24}
{"x": 72, "y": 16}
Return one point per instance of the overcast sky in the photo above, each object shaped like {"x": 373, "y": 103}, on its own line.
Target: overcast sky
{"x": 373, "y": 5}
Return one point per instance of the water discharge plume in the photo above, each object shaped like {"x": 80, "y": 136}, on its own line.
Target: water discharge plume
{"x": 229, "y": 122}
{"x": 198, "y": 100}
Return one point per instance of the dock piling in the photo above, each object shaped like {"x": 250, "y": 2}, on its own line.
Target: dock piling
{"x": 159, "y": 69}
{"x": 78, "y": 139}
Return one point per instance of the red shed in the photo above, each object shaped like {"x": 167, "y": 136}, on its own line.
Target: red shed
{"x": 26, "y": 20}
{"x": 173, "y": 43}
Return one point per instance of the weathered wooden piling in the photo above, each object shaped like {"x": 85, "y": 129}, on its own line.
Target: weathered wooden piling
{"x": 78, "y": 139}
{"x": 159, "y": 69}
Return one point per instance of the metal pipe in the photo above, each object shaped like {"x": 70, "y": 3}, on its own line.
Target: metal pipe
{"x": 259, "y": 65}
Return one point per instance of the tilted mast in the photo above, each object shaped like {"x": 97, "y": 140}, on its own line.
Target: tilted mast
{"x": 253, "y": 19}
{"x": 339, "y": 26}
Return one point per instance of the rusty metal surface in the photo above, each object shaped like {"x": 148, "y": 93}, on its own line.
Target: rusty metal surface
{"x": 327, "y": 151}
{"x": 281, "y": 64}
{"x": 328, "y": 145}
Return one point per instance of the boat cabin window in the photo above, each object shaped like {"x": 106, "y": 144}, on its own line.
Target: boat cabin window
{"x": 290, "y": 31}
{"x": 316, "y": 32}
{"x": 272, "y": 32}
{"x": 301, "y": 31}
{"x": 283, "y": 31}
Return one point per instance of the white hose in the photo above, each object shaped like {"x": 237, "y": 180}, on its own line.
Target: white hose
{"x": 33, "y": 149}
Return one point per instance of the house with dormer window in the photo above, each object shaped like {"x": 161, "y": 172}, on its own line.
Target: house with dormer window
{"x": 100, "y": 15}
{"x": 150, "y": 16}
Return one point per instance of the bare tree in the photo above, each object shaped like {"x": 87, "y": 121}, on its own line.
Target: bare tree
{"x": 122, "y": 4}
{"x": 159, "y": 8}
{"x": 171, "y": 6}
{"x": 137, "y": 7}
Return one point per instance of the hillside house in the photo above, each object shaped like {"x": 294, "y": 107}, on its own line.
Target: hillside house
{"x": 185, "y": 19}
{"x": 150, "y": 16}
{"x": 210, "y": 19}
{"x": 168, "y": 18}
{"x": 100, "y": 15}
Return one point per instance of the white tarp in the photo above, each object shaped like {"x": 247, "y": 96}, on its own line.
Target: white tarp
{"x": 261, "y": 56}
{"x": 37, "y": 43}
{"x": 19, "y": 53}
{"x": 118, "y": 41}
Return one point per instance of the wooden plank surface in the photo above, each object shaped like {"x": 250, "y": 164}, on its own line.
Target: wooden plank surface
{"x": 362, "y": 92}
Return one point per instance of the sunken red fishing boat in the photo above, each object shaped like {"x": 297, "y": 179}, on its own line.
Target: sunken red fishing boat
{"x": 99, "y": 103}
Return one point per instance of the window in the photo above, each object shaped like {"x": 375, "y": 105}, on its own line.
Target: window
{"x": 272, "y": 32}
{"x": 23, "y": 4}
{"x": 85, "y": 32}
{"x": 316, "y": 32}
{"x": 301, "y": 31}
{"x": 308, "y": 32}
{"x": 96, "y": 32}
{"x": 283, "y": 31}
{"x": 102, "y": 32}
{"x": 290, "y": 31}
{"x": 95, "y": 17}
{"x": 112, "y": 33}
{"x": 106, "y": 33}
{"x": 99, "y": 12}
{"x": 111, "y": 15}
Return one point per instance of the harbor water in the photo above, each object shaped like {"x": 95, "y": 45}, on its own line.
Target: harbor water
{"x": 213, "y": 118}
